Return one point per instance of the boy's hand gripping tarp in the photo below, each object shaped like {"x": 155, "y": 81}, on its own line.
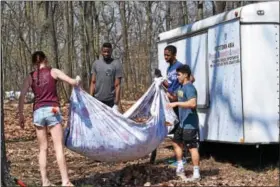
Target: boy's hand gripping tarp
{"x": 100, "y": 133}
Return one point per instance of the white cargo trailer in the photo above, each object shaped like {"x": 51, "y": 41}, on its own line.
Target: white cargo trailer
{"x": 234, "y": 57}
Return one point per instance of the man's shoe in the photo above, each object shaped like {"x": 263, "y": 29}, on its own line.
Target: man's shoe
{"x": 193, "y": 179}
{"x": 175, "y": 163}
{"x": 181, "y": 175}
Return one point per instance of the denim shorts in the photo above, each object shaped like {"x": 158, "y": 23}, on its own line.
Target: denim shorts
{"x": 46, "y": 116}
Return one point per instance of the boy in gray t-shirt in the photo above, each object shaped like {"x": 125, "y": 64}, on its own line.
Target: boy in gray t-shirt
{"x": 106, "y": 78}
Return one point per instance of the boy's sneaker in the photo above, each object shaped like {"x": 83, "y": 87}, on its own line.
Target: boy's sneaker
{"x": 175, "y": 163}
{"x": 193, "y": 179}
{"x": 181, "y": 175}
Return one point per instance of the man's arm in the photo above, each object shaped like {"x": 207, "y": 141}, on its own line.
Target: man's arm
{"x": 117, "y": 83}
{"x": 165, "y": 84}
{"x": 172, "y": 97}
{"x": 118, "y": 90}
{"x": 92, "y": 85}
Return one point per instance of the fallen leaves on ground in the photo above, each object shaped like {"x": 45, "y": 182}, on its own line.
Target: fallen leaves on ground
{"x": 22, "y": 153}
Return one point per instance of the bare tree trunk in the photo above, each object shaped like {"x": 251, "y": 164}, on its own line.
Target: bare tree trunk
{"x": 68, "y": 67}
{"x": 149, "y": 30}
{"x": 238, "y": 4}
{"x": 213, "y": 8}
{"x": 28, "y": 66}
{"x": 125, "y": 42}
{"x": 184, "y": 6}
{"x": 33, "y": 33}
{"x": 88, "y": 18}
{"x": 230, "y": 5}
{"x": 53, "y": 33}
{"x": 43, "y": 14}
{"x": 22, "y": 66}
{"x": 83, "y": 47}
{"x": 6, "y": 178}
{"x": 27, "y": 16}
{"x": 51, "y": 10}
{"x": 90, "y": 27}
{"x": 4, "y": 51}
{"x": 219, "y": 7}
{"x": 168, "y": 16}
{"x": 72, "y": 44}
{"x": 96, "y": 44}
{"x": 138, "y": 74}
{"x": 199, "y": 10}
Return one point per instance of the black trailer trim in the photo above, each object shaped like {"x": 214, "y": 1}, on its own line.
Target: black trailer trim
{"x": 259, "y": 23}
{"x": 241, "y": 143}
{"x": 241, "y": 84}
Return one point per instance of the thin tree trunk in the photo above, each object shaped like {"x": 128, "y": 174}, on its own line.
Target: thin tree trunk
{"x": 199, "y": 10}
{"x": 53, "y": 33}
{"x": 88, "y": 25}
{"x": 128, "y": 50}
{"x": 72, "y": 44}
{"x": 27, "y": 18}
{"x": 168, "y": 16}
{"x": 6, "y": 178}
{"x": 68, "y": 67}
{"x": 97, "y": 31}
{"x": 83, "y": 47}
{"x": 185, "y": 12}
{"x": 33, "y": 33}
{"x": 230, "y": 5}
{"x": 138, "y": 74}
{"x": 125, "y": 42}
{"x": 4, "y": 50}
{"x": 213, "y": 8}
{"x": 149, "y": 42}
{"x": 53, "y": 40}
{"x": 219, "y": 7}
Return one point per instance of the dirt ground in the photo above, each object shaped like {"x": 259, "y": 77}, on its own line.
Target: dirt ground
{"x": 221, "y": 165}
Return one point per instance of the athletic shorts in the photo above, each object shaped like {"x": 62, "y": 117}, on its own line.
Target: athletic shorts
{"x": 188, "y": 137}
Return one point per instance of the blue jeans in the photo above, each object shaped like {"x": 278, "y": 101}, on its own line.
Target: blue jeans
{"x": 45, "y": 116}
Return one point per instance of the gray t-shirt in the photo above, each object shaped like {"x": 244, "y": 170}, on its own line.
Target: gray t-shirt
{"x": 105, "y": 74}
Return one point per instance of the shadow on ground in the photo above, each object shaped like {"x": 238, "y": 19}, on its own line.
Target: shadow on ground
{"x": 248, "y": 156}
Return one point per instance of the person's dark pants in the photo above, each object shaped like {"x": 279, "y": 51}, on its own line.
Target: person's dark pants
{"x": 109, "y": 103}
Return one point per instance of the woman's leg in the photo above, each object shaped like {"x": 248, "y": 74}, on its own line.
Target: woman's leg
{"x": 57, "y": 136}
{"x": 43, "y": 151}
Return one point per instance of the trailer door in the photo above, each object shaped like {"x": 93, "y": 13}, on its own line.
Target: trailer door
{"x": 225, "y": 117}
{"x": 260, "y": 72}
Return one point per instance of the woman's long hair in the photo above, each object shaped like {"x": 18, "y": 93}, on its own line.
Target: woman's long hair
{"x": 37, "y": 58}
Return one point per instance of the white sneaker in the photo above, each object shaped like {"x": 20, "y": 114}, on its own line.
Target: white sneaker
{"x": 181, "y": 175}
{"x": 170, "y": 136}
{"x": 193, "y": 179}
